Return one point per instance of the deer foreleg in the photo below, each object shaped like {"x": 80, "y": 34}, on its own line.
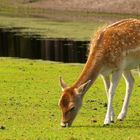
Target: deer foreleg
{"x": 115, "y": 80}
{"x": 106, "y": 80}
{"x": 129, "y": 80}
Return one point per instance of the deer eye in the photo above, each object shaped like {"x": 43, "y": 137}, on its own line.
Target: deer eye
{"x": 72, "y": 109}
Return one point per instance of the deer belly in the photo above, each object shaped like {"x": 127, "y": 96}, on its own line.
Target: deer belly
{"x": 132, "y": 60}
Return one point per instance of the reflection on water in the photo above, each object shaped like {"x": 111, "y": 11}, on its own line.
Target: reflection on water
{"x": 64, "y": 50}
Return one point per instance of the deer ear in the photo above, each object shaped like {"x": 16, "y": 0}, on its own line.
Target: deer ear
{"x": 82, "y": 89}
{"x": 62, "y": 84}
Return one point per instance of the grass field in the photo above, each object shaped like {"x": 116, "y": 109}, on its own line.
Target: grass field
{"x": 51, "y": 29}
{"x": 29, "y": 89}
{"x": 29, "y": 94}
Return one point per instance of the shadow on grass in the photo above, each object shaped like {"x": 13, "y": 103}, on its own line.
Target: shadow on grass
{"x": 117, "y": 124}
{"x": 87, "y": 126}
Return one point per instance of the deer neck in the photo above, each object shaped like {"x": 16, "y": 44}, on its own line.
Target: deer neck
{"x": 90, "y": 71}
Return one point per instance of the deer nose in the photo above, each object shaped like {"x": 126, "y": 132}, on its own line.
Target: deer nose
{"x": 64, "y": 124}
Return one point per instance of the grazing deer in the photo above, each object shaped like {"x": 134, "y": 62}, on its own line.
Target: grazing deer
{"x": 114, "y": 50}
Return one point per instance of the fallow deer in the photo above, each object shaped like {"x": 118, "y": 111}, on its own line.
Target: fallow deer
{"x": 114, "y": 50}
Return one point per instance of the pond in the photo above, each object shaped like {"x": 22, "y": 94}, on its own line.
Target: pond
{"x": 13, "y": 44}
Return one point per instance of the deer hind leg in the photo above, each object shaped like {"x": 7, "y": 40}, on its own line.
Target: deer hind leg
{"x": 106, "y": 80}
{"x": 129, "y": 80}
{"x": 115, "y": 80}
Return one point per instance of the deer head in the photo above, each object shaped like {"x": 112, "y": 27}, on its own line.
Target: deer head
{"x": 71, "y": 102}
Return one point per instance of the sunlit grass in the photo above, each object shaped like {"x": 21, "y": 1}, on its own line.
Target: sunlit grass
{"x": 29, "y": 94}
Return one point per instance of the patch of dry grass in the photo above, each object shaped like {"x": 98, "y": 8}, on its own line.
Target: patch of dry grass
{"x": 105, "y": 6}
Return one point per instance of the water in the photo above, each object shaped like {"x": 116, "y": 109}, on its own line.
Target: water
{"x": 64, "y": 50}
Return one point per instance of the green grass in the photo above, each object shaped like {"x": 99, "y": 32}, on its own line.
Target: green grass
{"x": 29, "y": 90}
{"x": 29, "y": 93}
{"x": 51, "y": 29}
